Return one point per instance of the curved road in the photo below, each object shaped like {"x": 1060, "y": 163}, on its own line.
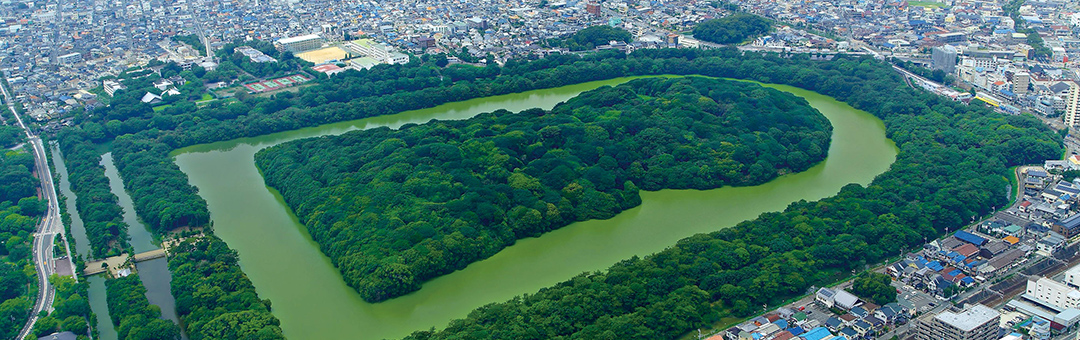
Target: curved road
{"x": 49, "y": 227}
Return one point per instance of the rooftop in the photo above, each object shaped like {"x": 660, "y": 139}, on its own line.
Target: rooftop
{"x": 298, "y": 39}
{"x": 970, "y": 319}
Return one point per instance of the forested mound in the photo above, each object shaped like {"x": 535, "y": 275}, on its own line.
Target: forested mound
{"x": 732, "y": 29}
{"x": 951, "y": 167}
{"x": 394, "y": 208}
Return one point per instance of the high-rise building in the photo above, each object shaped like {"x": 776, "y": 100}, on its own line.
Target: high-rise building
{"x": 1020, "y": 83}
{"x": 1072, "y": 105}
{"x": 976, "y": 323}
{"x": 593, "y": 8}
{"x": 944, "y": 58}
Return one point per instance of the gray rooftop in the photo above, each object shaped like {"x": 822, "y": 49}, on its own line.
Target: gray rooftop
{"x": 970, "y": 319}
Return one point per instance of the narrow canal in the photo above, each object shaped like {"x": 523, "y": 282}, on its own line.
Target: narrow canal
{"x": 96, "y": 293}
{"x": 154, "y": 274}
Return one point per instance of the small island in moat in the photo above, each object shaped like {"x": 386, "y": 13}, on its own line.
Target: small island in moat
{"x": 395, "y": 208}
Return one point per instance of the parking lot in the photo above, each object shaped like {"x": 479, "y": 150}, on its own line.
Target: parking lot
{"x": 923, "y": 302}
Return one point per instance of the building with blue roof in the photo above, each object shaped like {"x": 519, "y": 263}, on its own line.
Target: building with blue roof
{"x": 935, "y": 266}
{"x": 796, "y": 330}
{"x": 781, "y": 323}
{"x": 967, "y": 280}
{"x": 817, "y": 334}
{"x": 970, "y": 238}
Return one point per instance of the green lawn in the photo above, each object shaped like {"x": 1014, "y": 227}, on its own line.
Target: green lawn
{"x": 206, "y": 96}
{"x": 161, "y": 108}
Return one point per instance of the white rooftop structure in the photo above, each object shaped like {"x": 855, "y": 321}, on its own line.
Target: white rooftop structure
{"x": 844, "y": 299}
{"x": 970, "y": 319}
{"x": 301, "y": 38}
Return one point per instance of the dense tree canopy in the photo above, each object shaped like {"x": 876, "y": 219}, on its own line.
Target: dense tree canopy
{"x": 732, "y": 29}
{"x": 214, "y": 298}
{"x": 94, "y": 200}
{"x": 875, "y": 287}
{"x": 590, "y": 37}
{"x": 71, "y": 309}
{"x": 10, "y": 135}
{"x": 395, "y": 208}
{"x": 951, "y": 167}
{"x": 20, "y": 211}
{"x": 133, "y": 315}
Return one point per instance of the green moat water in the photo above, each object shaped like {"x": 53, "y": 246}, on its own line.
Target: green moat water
{"x": 312, "y": 301}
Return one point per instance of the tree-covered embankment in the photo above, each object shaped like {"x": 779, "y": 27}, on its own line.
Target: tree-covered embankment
{"x": 951, "y": 167}
{"x": 952, "y": 161}
{"x": 393, "y": 209}
{"x": 97, "y": 205}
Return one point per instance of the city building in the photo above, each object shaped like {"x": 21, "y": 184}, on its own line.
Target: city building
{"x": 255, "y": 55}
{"x": 1068, "y": 227}
{"x": 593, "y": 8}
{"x": 944, "y": 58}
{"x": 976, "y": 323}
{"x": 1053, "y": 294}
{"x": 111, "y": 86}
{"x": 377, "y": 51}
{"x": 301, "y": 43}
{"x": 70, "y": 58}
{"x": 328, "y": 69}
{"x": 1072, "y": 277}
{"x": 1040, "y": 328}
{"x": 1020, "y": 83}
{"x": 1072, "y": 105}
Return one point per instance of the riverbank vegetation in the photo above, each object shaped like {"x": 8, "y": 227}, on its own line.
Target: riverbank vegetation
{"x": 133, "y": 315}
{"x": 71, "y": 309}
{"x": 732, "y": 29}
{"x": 102, "y": 216}
{"x": 214, "y": 297}
{"x": 394, "y": 208}
{"x": 20, "y": 212}
{"x": 950, "y": 168}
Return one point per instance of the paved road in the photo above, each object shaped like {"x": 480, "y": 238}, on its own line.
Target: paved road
{"x": 47, "y": 230}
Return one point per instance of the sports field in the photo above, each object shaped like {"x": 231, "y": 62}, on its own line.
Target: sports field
{"x": 323, "y": 55}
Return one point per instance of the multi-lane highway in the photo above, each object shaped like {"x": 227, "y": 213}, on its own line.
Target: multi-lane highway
{"x": 50, "y": 226}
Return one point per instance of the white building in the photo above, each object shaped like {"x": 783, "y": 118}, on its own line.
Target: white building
{"x": 1072, "y": 105}
{"x": 1072, "y": 277}
{"x": 301, "y": 43}
{"x": 845, "y": 300}
{"x": 1052, "y": 292}
{"x": 111, "y": 86}
{"x": 977, "y": 323}
{"x": 825, "y": 297}
{"x": 377, "y": 51}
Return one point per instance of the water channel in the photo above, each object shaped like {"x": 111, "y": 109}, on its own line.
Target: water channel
{"x": 154, "y": 274}
{"x": 312, "y": 301}
{"x": 96, "y": 290}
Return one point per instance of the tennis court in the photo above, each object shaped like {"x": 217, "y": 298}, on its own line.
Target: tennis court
{"x": 274, "y": 84}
